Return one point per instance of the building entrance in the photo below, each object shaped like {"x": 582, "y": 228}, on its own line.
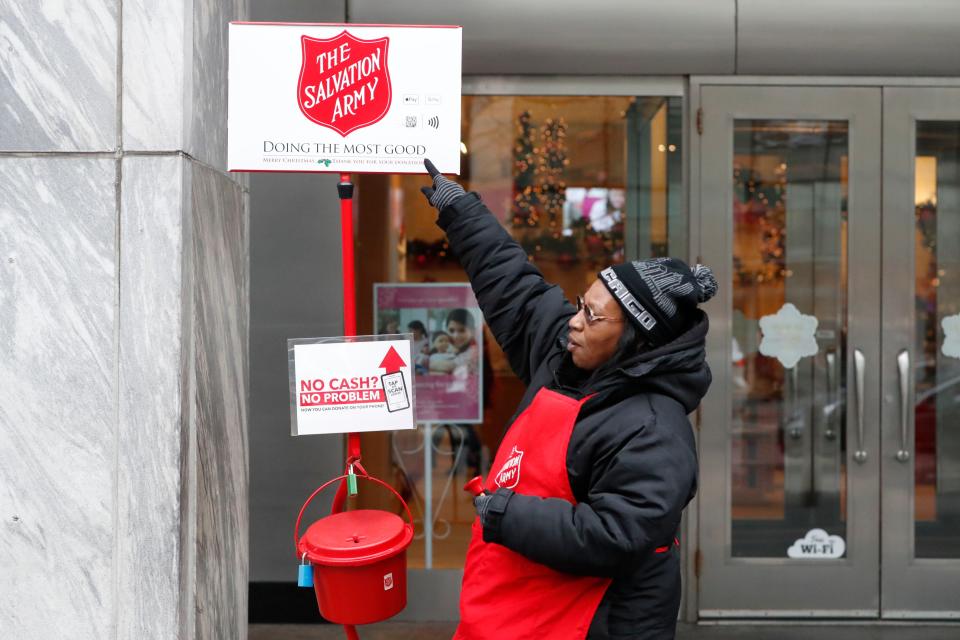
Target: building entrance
{"x": 830, "y": 447}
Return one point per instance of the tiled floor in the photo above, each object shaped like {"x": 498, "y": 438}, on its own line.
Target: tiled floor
{"x": 443, "y": 631}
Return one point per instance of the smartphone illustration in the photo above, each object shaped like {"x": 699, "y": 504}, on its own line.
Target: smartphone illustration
{"x": 395, "y": 390}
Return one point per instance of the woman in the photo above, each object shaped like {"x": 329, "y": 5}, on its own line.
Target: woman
{"x": 576, "y": 534}
{"x": 421, "y": 346}
{"x": 390, "y": 327}
{"x": 421, "y": 341}
{"x": 461, "y": 330}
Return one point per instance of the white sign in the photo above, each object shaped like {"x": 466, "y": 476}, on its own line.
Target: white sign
{"x": 788, "y": 336}
{"x": 819, "y": 545}
{"x": 951, "y": 336}
{"x": 350, "y": 385}
{"x": 343, "y": 98}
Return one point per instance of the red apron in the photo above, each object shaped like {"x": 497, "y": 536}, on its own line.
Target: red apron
{"x": 506, "y": 596}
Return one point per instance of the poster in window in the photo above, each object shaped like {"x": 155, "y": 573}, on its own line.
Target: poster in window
{"x": 447, "y": 328}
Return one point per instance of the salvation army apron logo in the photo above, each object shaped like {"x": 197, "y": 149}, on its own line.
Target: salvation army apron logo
{"x": 344, "y": 81}
{"x": 509, "y": 475}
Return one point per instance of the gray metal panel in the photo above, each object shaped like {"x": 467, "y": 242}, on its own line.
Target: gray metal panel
{"x": 295, "y": 292}
{"x": 889, "y": 37}
{"x": 432, "y": 595}
{"x": 298, "y": 10}
{"x": 847, "y": 588}
{"x": 912, "y": 588}
{"x": 575, "y": 37}
{"x": 567, "y": 85}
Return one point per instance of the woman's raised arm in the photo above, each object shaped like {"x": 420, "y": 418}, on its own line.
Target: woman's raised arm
{"x": 525, "y": 313}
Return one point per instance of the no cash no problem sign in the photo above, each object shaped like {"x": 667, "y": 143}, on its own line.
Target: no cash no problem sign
{"x": 342, "y": 387}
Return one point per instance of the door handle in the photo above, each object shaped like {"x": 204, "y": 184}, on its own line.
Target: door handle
{"x": 903, "y": 367}
{"x": 829, "y": 433}
{"x": 859, "y": 364}
{"x": 795, "y": 422}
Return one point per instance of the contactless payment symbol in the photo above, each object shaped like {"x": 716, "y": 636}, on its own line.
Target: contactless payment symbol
{"x": 394, "y": 385}
{"x": 344, "y": 81}
{"x": 509, "y": 475}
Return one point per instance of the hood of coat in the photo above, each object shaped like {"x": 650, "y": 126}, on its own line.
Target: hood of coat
{"x": 677, "y": 369}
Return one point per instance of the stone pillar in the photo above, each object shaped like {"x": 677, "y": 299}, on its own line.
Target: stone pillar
{"x": 123, "y": 324}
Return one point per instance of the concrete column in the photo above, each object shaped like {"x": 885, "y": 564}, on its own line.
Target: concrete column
{"x": 123, "y": 324}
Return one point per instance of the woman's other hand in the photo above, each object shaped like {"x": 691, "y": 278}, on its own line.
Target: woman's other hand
{"x": 481, "y": 503}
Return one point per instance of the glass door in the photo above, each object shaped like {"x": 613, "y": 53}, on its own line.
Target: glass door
{"x": 921, "y": 358}
{"x": 790, "y": 222}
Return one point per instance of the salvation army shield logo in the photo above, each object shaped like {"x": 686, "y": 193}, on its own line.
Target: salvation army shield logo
{"x": 344, "y": 81}
{"x": 509, "y": 475}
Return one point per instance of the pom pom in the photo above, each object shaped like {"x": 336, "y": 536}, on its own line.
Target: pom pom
{"x": 706, "y": 281}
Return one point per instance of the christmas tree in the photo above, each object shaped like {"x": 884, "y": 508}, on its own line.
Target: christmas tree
{"x": 553, "y": 161}
{"x": 540, "y": 158}
{"x": 526, "y": 190}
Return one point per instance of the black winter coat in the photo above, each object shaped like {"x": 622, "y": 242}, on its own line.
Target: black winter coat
{"x": 631, "y": 458}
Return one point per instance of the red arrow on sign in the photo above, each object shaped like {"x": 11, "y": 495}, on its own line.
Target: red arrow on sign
{"x": 392, "y": 361}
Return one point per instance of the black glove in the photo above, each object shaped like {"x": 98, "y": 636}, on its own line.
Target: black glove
{"x": 482, "y": 504}
{"x": 491, "y": 507}
{"x": 444, "y": 192}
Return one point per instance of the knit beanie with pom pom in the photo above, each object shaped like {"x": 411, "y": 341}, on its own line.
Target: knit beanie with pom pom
{"x": 658, "y": 295}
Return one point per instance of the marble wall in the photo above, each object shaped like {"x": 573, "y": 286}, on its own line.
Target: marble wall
{"x": 208, "y": 88}
{"x": 153, "y": 362}
{"x": 219, "y": 247}
{"x": 58, "y": 76}
{"x": 155, "y": 81}
{"x": 123, "y": 324}
{"x": 58, "y": 388}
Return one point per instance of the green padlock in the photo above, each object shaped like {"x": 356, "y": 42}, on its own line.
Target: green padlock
{"x": 351, "y": 482}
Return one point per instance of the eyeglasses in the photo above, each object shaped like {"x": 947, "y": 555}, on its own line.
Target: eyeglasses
{"x": 590, "y": 316}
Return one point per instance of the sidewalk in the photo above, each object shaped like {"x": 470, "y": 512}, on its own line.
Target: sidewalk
{"x": 443, "y": 631}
